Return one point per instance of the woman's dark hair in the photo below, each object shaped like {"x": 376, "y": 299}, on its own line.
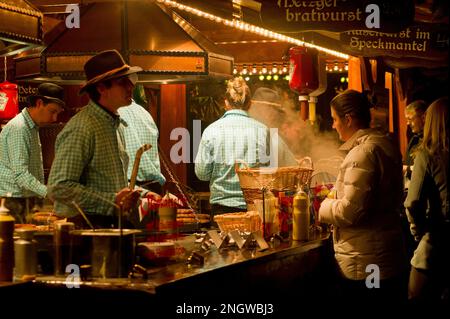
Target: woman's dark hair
{"x": 355, "y": 104}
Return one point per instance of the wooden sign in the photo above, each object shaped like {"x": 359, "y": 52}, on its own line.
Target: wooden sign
{"x": 424, "y": 40}
{"x": 336, "y": 15}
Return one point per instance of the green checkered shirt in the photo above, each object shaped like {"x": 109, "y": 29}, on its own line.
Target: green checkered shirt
{"x": 233, "y": 137}
{"x": 90, "y": 164}
{"x": 21, "y": 166}
{"x": 141, "y": 129}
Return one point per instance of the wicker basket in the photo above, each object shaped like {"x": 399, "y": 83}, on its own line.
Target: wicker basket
{"x": 248, "y": 221}
{"x": 328, "y": 165}
{"x": 253, "y": 180}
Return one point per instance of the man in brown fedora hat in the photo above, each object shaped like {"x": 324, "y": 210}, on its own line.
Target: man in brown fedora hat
{"x": 90, "y": 165}
{"x": 21, "y": 165}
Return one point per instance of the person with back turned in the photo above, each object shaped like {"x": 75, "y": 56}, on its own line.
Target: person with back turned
{"x": 21, "y": 166}
{"x": 91, "y": 162}
{"x": 235, "y": 136}
{"x": 141, "y": 129}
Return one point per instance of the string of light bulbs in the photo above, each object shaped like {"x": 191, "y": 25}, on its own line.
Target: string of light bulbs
{"x": 251, "y": 28}
{"x": 271, "y": 68}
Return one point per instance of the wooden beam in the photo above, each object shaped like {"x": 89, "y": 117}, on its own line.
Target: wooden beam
{"x": 173, "y": 115}
{"x": 354, "y": 74}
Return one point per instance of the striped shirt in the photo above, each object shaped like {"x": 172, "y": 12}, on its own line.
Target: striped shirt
{"x": 90, "y": 164}
{"x": 21, "y": 165}
{"x": 235, "y": 136}
{"x": 141, "y": 129}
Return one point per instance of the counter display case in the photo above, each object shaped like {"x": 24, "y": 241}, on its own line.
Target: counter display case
{"x": 285, "y": 270}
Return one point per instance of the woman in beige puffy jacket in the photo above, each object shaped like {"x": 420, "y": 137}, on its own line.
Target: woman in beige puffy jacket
{"x": 365, "y": 210}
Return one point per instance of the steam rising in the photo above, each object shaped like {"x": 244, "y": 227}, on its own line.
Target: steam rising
{"x": 302, "y": 138}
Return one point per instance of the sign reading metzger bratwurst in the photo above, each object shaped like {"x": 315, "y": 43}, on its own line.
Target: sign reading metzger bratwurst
{"x": 336, "y": 15}
{"x": 424, "y": 40}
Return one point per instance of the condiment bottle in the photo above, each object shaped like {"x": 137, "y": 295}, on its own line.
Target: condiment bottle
{"x": 285, "y": 215}
{"x": 25, "y": 254}
{"x": 6, "y": 244}
{"x": 301, "y": 216}
{"x": 268, "y": 214}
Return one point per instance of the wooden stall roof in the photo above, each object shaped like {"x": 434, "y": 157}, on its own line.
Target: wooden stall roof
{"x": 420, "y": 41}
{"x": 147, "y": 33}
{"x": 20, "y": 27}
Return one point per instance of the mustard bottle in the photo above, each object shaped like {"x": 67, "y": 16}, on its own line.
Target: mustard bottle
{"x": 301, "y": 216}
{"x": 6, "y": 244}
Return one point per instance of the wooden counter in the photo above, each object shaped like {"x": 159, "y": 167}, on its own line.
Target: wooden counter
{"x": 291, "y": 269}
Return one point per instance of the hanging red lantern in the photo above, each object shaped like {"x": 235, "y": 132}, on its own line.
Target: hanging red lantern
{"x": 303, "y": 70}
{"x": 9, "y": 106}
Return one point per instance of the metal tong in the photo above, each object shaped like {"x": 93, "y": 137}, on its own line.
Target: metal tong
{"x": 137, "y": 160}
{"x": 83, "y": 215}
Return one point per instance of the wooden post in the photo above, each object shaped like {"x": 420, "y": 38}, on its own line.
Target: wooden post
{"x": 354, "y": 74}
{"x": 173, "y": 115}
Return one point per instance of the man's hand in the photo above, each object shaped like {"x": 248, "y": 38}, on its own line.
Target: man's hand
{"x": 152, "y": 195}
{"x": 127, "y": 199}
{"x": 144, "y": 193}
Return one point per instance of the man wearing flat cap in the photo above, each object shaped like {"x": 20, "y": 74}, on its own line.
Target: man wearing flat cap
{"x": 90, "y": 166}
{"x": 21, "y": 166}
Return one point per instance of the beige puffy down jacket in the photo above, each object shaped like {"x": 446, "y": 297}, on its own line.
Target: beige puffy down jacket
{"x": 366, "y": 211}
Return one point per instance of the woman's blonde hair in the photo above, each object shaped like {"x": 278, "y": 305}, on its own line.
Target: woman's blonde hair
{"x": 238, "y": 94}
{"x": 435, "y": 131}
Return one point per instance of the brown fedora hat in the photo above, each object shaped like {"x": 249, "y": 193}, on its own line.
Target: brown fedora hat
{"x": 106, "y": 65}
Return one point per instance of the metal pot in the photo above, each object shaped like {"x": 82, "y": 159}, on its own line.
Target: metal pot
{"x": 109, "y": 254}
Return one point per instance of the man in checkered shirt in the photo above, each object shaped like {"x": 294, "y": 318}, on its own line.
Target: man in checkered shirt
{"x": 21, "y": 166}
{"x": 91, "y": 162}
{"x": 235, "y": 136}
